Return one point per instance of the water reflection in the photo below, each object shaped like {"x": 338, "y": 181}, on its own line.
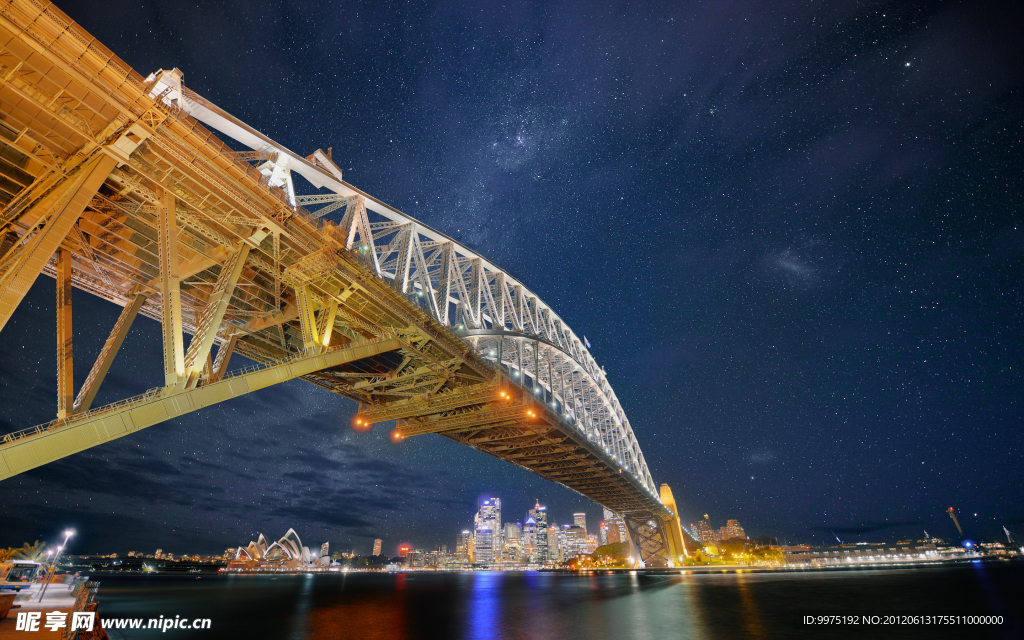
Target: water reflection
{"x": 553, "y": 606}
{"x": 485, "y": 605}
{"x": 751, "y": 616}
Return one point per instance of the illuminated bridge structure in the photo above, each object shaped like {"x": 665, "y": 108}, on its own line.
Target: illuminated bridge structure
{"x": 115, "y": 184}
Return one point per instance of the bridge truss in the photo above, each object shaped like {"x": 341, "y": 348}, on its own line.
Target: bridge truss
{"x": 115, "y": 184}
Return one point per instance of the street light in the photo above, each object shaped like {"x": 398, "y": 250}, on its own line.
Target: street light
{"x": 67, "y": 534}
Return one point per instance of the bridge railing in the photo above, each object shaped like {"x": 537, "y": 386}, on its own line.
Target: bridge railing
{"x": 155, "y": 392}
{"x": 60, "y": 422}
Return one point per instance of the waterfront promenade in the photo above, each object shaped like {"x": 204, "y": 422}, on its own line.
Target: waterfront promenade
{"x": 57, "y": 598}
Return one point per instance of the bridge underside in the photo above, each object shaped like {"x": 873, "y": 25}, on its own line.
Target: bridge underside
{"x": 108, "y": 186}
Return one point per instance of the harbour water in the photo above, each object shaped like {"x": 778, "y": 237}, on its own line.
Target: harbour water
{"x": 485, "y": 605}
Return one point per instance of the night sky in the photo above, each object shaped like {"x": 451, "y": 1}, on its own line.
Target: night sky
{"x": 792, "y": 232}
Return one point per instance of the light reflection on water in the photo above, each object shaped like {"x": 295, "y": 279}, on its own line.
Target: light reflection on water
{"x": 486, "y": 605}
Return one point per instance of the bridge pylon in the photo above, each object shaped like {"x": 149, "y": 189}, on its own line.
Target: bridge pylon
{"x": 657, "y": 538}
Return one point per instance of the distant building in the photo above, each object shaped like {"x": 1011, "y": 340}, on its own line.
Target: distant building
{"x": 734, "y": 530}
{"x": 616, "y": 527}
{"x": 704, "y": 531}
{"x": 580, "y": 520}
{"x": 575, "y": 542}
{"x": 487, "y": 532}
{"x": 376, "y": 546}
{"x": 530, "y": 537}
{"x": 159, "y": 554}
{"x": 512, "y": 532}
{"x": 591, "y": 544}
{"x": 288, "y": 552}
{"x": 863, "y": 553}
{"x": 554, "y": 553}
{"x": 539, "y": 515}
{"x": 416, "y": 558}
{"x": 464, "y": 546}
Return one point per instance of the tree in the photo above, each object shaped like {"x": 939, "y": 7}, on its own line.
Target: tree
{"x": 7, "y": 554}
{"x": 731, "y": 547}
{"x": 34, "y": 552}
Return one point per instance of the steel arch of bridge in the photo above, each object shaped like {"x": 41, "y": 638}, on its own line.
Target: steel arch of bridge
{"x": 112, "y": 184}
{"x": 460, "y": 288}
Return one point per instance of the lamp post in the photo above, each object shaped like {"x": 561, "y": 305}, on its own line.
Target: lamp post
{"x": 49, "y": 574}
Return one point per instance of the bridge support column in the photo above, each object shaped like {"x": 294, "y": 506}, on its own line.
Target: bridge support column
{"x": 213, "y": 315}
{"x": 220, "y": 365}
{"x": 65, "y": 337}
{"x": 307, "y": 320}
{"x": 647, "y": 534}
{"x": 325, "y": 325}
{"x": 88, "y": 392}
{"x": 170, "y": 291}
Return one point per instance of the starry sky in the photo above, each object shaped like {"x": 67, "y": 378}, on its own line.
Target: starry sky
{"x": 792, "y": 232}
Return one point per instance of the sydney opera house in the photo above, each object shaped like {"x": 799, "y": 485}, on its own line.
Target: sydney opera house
{"x": 285, "y": 554}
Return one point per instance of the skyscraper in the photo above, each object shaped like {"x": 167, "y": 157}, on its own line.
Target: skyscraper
{"x": 539, "y": 515}
{"x": 513, "y": 532}
{"x": 580, "y": 520}
{"x": 376, "y": 546}
{"x": 575, "y": 542}
{"x": 704, "y": 531}
{"x": 734, "y": 529}
{"x": 487, "y": 525}
{"x": 464, "y": 546}
{"x": 616, "y": 527}
{"x": 530, "y": 537}
{"x": 554, "y": 553}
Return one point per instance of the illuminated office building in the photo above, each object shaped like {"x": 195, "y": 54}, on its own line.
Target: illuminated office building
{"x": 704, "y": 531}
{"x": 464, "y": 547}
{"x": 733, "y": 529}
{"x": 580, "y": 520}
{"x": 616, "y": 527}
{"x": 487, "y": 529}
{"x": 539, "y": 515}
{"x": 376, "y": 546}
{"x": 554, "y": 552}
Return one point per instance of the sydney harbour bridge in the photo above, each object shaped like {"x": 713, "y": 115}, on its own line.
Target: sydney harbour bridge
{"x": 119, "y": 185}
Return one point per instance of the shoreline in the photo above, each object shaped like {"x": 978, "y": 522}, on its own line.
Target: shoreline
{"x": 693, "y": 570}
